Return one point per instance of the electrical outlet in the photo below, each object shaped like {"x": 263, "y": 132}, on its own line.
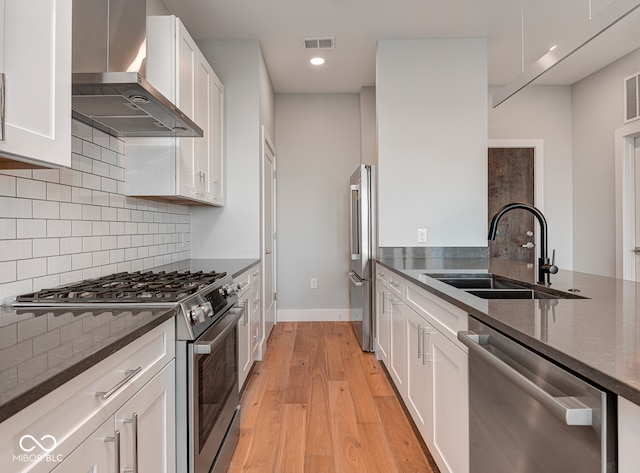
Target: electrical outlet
{"x": 314, "y": 283}
{"x": 422, "y": 235}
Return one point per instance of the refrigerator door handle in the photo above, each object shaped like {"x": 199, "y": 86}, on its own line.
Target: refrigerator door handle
{"x": 354, "y": 228}
{"x": 355, "y": 279}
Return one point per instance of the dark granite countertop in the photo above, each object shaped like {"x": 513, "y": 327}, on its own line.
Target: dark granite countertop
{"x": 597, "y": 337}
{"x": 42, "y": 349}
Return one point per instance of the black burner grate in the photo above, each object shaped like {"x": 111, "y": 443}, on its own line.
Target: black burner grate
{"x": 143, "y": 287}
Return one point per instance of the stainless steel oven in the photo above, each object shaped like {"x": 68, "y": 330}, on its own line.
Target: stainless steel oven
{"x": 213, "y": 398}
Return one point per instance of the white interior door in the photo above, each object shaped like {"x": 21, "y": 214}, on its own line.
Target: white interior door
{"x": 268, "y": 235}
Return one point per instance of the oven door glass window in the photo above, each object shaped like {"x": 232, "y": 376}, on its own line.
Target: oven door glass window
{"x": 217, "y": 384}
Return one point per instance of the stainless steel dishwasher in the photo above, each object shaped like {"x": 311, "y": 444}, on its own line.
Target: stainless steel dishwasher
{"x": 528, "y": 415}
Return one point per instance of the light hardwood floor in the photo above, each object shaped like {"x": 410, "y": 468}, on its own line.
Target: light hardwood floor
{"x": 318, "y": 404}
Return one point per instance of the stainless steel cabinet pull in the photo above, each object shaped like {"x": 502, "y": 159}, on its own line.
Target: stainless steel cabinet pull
{"x": 134, "y": 422}
{"x": 568, "y": 409}
{"x": 116, "y": 445}
{"x": 384, "y": 302}
{"x": 427, "y": 357}
{"x": 636, "y": 250}
{"x": 128, "y": 375}
{"x": 420, "y": 340}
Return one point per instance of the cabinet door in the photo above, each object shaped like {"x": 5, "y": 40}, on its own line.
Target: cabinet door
{"x": 449, "y": 443}
{"x": 217, "y": 161}
{"x": 187, "y": 60}
{"x": 97, "y": 454}
{"x": 398, "y": 351}
{"x": 383, "y": 320}
{"x": 37, "y": 51}
{"x": 419, "y": 371}
{"x": 255, "y": 317}
{"x": 203, "y": 118}
{"x": 147, "y": 425}
{"x": 244, "y": 337}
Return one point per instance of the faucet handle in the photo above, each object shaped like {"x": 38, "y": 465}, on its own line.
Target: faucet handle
{"x": 553, "y": 269}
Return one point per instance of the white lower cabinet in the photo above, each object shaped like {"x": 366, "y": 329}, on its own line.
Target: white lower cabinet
{"x": 415, "y": 339}
{"x": 419, "y": 372}
{"x": 135, "y": 439}
{"x": 449, "y": 392}
{"x": 249, "y": 325}
{"x": 628, "y": 436}
{"x": 80, "y": 418}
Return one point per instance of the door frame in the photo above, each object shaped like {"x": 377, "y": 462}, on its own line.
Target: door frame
{"x": 267, "y": 144}
{"x": 538, "y": 163}
{"x": 625, "y": 200}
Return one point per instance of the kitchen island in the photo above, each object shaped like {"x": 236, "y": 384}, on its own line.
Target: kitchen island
{"x": 596, "y": 336}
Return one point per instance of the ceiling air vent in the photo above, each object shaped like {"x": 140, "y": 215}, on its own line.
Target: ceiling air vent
{"x": 325, "y": 42}
{"x": 632, "y": 97}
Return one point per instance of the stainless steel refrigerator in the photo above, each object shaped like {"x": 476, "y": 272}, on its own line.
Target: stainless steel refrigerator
{"x": 361, "y": 250}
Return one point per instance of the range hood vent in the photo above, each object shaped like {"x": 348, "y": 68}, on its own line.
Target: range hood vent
{"x": 110, "y": 90}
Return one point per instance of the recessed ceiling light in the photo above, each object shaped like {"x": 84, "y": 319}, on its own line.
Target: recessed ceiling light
{"x": 317, "y": 61}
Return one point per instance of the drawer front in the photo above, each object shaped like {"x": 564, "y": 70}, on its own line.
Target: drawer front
{"x": 382, "y": 275}
{"x": 66, "y": 416}
{"x": 243, "y": 281}
{"x": 445, "y": 317}
{"x": 397, "y": 285}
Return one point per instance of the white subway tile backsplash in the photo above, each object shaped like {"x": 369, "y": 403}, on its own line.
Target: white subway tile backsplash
{"x": 58, "y": 192}
{"x": 80, "y": 195}
{"x": 32, "y": 268}
{"x": 91, "y": 181}
{"x": 8, "y": 272}
{"x": 81, "y": 163}
{"x": 91, "y": 244}
{"x": 81, "y": 228}
{"x": 31, "y": 189}
{"x": 70, "y": 211}
{"x": 46, "y": 247}
{"x": 59, "y": 264}
{"x": 46, "y": 209}
{"x": 91, "y": 150}
{"x": 7, "y": 185}
{"x": 100, "y": 228}
{"x": 8, "y": 228}
{"x": 12, "y": 250}
{"x": 61, "y": 226}
{"x": 58, "y": 228}
{"x": 70, "y": 245}
{"x": 31, "y": 228}
{"x": 100, "y": 138}
{"x": 91, "y": 212}
{"x": 81, "y": 261}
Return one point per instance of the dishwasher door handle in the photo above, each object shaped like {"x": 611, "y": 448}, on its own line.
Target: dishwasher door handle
{"x": 569, "y": 409}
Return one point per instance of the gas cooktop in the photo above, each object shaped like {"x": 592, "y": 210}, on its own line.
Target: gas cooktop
{"x": 124, "y": 288}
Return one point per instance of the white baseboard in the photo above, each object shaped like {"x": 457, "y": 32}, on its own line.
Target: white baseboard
{"x": 313, "y": 315}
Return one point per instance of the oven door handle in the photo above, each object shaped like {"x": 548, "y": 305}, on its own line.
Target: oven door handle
{"x": 205, "y": 348}
{"x": 569, "y": 409}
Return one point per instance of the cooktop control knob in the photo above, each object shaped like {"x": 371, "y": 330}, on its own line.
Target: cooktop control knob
{"x": 197, "y": 314}
{"x": 229, "y": 289}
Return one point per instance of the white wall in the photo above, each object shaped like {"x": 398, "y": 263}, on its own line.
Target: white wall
{"x": 432, "y": 141}
{"x": 598, "y": 104}
{"x": 318, "y": 141}
{"x": 544, "y": 112}
{"x": 233, "y": 231}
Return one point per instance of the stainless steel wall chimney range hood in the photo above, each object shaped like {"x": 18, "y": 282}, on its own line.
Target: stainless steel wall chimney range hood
{"x": 110, "y": 90}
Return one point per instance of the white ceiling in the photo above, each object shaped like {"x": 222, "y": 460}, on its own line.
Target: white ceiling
{"x": 279, "y": 25}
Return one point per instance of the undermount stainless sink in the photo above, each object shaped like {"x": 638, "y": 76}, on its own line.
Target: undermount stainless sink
{"x": 490, "y": 286}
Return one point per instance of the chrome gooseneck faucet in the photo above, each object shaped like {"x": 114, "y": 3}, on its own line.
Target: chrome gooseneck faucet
{"x": 545, "y": 267}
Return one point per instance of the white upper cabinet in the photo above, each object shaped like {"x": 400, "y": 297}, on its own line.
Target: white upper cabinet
{"x": 35, "y": 59}
{"x": 187, "y": 170}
